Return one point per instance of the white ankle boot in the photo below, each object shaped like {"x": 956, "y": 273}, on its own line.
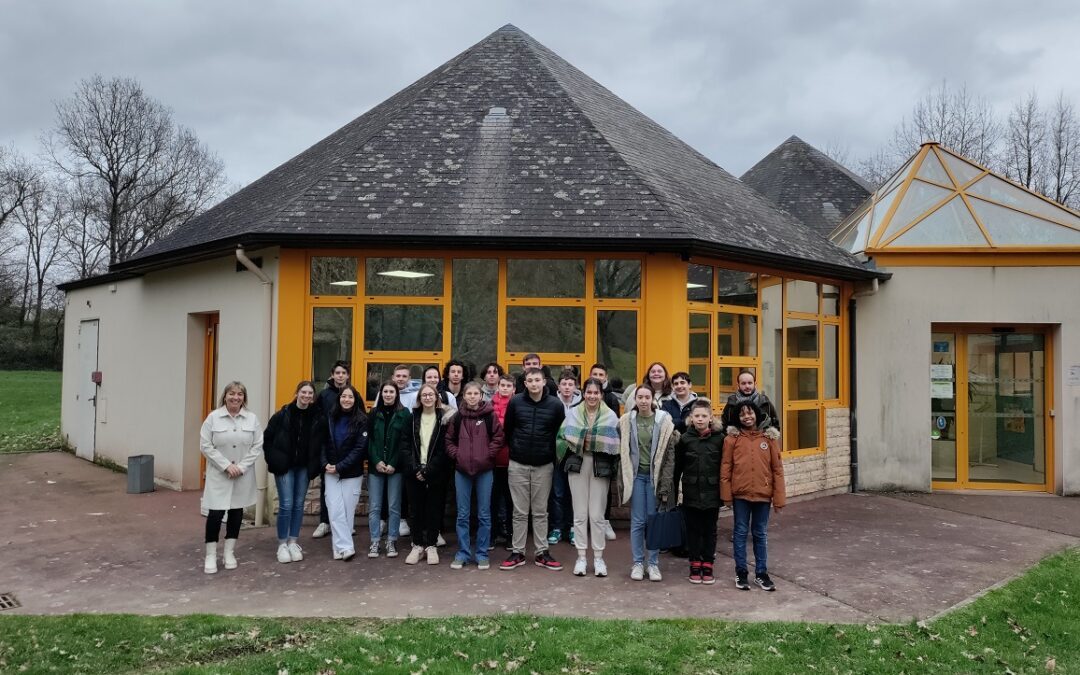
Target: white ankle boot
{"x": 210, "y": 564}
{"x": 228, "y": 555}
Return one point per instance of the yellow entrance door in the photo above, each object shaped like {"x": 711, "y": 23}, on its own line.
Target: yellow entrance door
{"x": 990, "y": 401}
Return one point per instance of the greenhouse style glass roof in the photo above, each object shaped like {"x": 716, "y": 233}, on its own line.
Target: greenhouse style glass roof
{"x": 940, "y": 200}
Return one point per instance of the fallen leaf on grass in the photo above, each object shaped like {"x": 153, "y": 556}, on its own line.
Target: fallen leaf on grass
{"x": 1051, "y": 664}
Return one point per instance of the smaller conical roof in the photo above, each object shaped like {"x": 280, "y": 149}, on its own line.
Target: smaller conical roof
{"x": 808, "y": 184}
{"x": 940, "y": 200}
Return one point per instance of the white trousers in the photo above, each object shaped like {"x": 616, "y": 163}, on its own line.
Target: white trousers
{"x": 342, "y": 496}
{"x": 589, "y": 495}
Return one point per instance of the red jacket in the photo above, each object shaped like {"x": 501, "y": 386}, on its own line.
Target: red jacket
{"x": 468, "y": 442}
{"x": 499, "y": 403}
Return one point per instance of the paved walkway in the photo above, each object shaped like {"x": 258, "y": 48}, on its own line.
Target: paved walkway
{"x": 72, "y": 540}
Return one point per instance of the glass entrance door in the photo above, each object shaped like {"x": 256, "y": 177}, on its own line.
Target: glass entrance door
{"x": 988, "y": 407}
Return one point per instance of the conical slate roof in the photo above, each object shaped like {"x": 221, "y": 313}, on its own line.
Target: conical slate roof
{"x": 505, "y": 145}
{"x": 808, "y": 184}
{"x": 941, "y": 201}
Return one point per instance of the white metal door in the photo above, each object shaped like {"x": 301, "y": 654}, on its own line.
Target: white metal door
{"x": 86, "y": 391}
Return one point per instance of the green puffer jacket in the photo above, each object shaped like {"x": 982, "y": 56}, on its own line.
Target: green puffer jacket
{"x": 387, "y": 431}
{"x": 697, "y": 464}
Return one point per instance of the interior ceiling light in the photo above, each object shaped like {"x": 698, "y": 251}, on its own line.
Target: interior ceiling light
{"x": 691, "y": 284}
{"x": 342, "y": 283}
{"x": 405, "y": 274}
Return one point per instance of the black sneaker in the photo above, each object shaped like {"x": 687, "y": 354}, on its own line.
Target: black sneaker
{"x": 740, "y": 581}
{"x": 515, "y": 560}
{"x": 765, "y": 582}
{"x": 547, "y": 562}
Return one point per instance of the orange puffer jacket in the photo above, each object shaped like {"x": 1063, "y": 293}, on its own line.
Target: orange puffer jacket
{"x": 751, "y": 469}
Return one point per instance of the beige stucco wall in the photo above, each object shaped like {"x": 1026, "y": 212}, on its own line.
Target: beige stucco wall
{"x": 150, "y": 354}
{"x": 893, "y": 360}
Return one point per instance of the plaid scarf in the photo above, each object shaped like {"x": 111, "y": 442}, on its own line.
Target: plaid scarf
{"x": 578, "y": 434}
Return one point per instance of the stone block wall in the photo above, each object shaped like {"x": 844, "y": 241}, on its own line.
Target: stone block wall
{"x": 826, "y": 471}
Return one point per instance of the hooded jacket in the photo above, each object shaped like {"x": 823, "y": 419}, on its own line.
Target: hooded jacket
{"x": 697, "y": 466}
{"x": 678, "y": 412}
{"x": 662, "y": 468}
{"x": 499, "y": 403}
{"x": 288, "y": 446}
{"x": 437, "y": 467}
{"x": 531, "y": 427}
{"x": 468, "y": 442}
{"x": 752, "y": 469}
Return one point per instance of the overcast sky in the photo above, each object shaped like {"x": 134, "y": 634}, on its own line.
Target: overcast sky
{"x": 261, "y": 81}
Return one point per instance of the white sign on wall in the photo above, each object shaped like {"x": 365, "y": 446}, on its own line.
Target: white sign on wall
{"x": 1074, "y": 376}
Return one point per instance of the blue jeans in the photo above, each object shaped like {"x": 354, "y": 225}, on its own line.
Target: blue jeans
{"x": 755, "y": 517}
{"x": 560, "y": 504}
{"x": 291, "y": 489}
{"x": 378, "y": 483}
{"x": 464, "y": 485}
{"x": 642, "y": 505}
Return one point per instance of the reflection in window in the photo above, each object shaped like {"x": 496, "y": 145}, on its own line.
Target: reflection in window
{"x": 802, "y": 429}
{"x": 830, "y": 300}
{"x": 616, "y": 343}
{"x": 699, "y": 283}
{"x": 802, "y": 296}
{"x": 772, "y": 334}
{"x": 528, "y": 278}
{"x": 474, "y": 324}
{"x": 545, "y": 329}
{"x": 736, "y": 288}
{"x": 728, "y": 380}
{"x": 403, "y": 327}
{"x": 736, "y": 334}
{"x": 699, "y": 378}
{"x": 404, "y": 276}
{"x": 617, "y": 279}
{"x": 333, "y": 276}
{"x": 802, "y": 384}
{"x": 331, "y": 339}
{"x": 377, "y": 373}
{"x": 832, "y": 361}
{"x": 802, "y": 339}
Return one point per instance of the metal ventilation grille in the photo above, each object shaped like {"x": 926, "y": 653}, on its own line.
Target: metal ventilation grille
{"x": 8, "y": 601}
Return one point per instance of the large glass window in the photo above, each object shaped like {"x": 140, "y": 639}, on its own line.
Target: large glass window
{"x": 617, "y": 279}
{"x": 379, "y": 372}
{"x": 545, "y": 329}
{"x": 403, "y": 328}
{"x": 539, "y": 278}
{"x": 734, "y": 287}
{"x": 736, "y": 334}
{"x": 803, "y": 429}
{"x": 333, "y": 276}
{"x": 616, "y": 342}
{"x": 699, "y": 283}
{"x": 802, "y": 339}
{"x": 474, "y": 320}
{"x": 404, "y": 276}
{"x": 802, "y": 296}
{"x": 331, "y": 339}
{"x": 831, "y": 361}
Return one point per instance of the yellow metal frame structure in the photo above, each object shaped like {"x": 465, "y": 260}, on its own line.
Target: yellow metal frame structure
{"x": 962, "y": 482}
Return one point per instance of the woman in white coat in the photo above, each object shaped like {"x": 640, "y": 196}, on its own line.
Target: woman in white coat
{"x": 231, "y": 439}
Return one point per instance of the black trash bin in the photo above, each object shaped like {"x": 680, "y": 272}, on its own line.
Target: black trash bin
{"x": 140, "y": 474}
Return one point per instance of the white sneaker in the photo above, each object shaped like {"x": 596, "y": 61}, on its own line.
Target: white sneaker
{"x": 432, "y": 555}
{"x": 580, "y": 567}
{"x": 283, "y": 554}
{"x": 440, "y": 541}
{"x": 599, "y": 567}
{"x": 321, "y": 531}
{"x": 637, "y": 572}
{"x": 296, "y": 554}
{"x": 654, "y": 573}
{"x": 210, "y": 563}
{"x": 229, "y": 554}
{"x": 337, "y": 554}
{"x": 391, "y": 549}
{"x": 414, "y": 555}
{"x": 403, "y": 529}
{"x": 609, "y": 532}
{"x": 348, "y": 555}
{"x": 373, "y": 550}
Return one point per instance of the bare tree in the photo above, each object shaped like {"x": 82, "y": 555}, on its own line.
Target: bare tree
{"x": 18, "y": 177}
{"x": 40, "y": 216}
{"x": 84, "y": 234}
{"x": 838, "y": 151}
{"x": 956, "y": 119}
{"x": 1024, "y": 156}
{"x": 152, "y": 174}
{"x": 1063, "y": 153}
{"x": 878, "y": 167}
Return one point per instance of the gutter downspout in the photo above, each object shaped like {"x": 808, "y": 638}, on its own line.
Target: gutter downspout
{"x": 261, "y": 480}
{"x": 853, "y": 414}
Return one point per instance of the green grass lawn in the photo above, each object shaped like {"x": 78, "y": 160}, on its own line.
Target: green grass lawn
{"x": 29, "y": 410}
{"x": 1030, "y": 625}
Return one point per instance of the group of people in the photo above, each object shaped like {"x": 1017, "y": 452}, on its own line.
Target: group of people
{"x": 524, "y": 447}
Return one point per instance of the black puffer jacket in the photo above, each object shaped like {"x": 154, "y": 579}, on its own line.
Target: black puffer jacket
{"x": 294, "y": 438}
{"x": 530, "y": 428}
{"x": 437, "y": 468}
{"x": 697, "y": 465}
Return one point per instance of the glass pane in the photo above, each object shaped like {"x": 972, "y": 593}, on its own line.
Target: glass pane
{"x": 545, "y": 278}
{"x": 772, "y": 339}
{"x": 404, "y": 276}
{"x": 802, "y": 296}
{"x": 377, "y": 373}
{"x": 333, "y": 276}
{"x": 736, "y": 334}
{"x": 931, "y": 169}
{"x": 832, "y": 361}
{"x": 727, "y": 380}
{"x": 404, "y": 328}
{"x": 992, "y": 187}
{"x": 920, "y": 198}
{"x": 951, "y": 225}
{"x": 617, "y": 279}
{"x": 474, "y": 311}
{"x": 802, "y": 430}
{"x": 802, "y": 384}
{"x": 847, "y": 227}
{"x": 699, "y": 335}
{"x": 699, "y": 376}
{"x": 1010, "y": 227}
{"x": 943, "y": 406}
{"x": 736, "y": 288}
{"x": 1006, "y": 390}
{"x": 830, "y": 300}
{"x": 802, "y": 339}
{"x": 616, "y": 342}
{"x": 856, "y": 240}
{"x": 699, "y": 283}
{"x": 545, "y": 329}
{"x": 896, "y": 178}
{"x": 961, "y": 169}
{"x": 331, "y": 339}
{"x": 881, "y": 209}
{"x": 699, "y": 320}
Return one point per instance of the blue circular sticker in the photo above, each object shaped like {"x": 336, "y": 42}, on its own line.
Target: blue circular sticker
{"x": 941, "y": 422}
